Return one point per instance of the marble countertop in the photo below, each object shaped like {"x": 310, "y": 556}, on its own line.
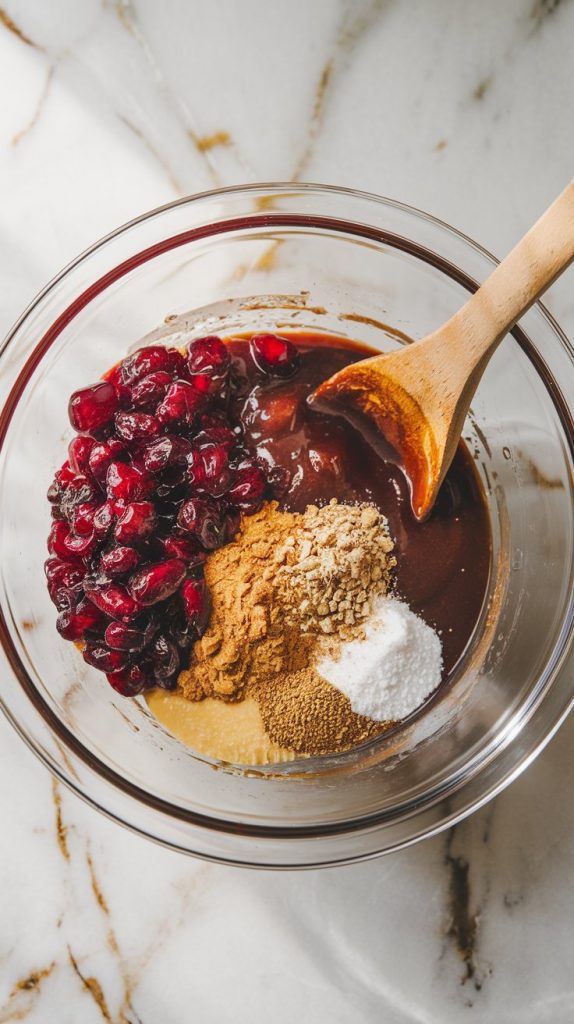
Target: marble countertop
{"x": 109, "y": 108}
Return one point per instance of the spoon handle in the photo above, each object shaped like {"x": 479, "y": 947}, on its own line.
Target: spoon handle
{"x": 515, "y": 284}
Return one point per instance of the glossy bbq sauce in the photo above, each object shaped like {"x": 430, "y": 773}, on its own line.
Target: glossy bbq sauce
{"x": 443, "y": 563}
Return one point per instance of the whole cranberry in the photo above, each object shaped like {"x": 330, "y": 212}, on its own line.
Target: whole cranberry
{"x": 169, "y": 450}
{"x": 83, "y": 518}
{"x": 136, "y": 426}
{"x": 113, "y": 600}
{"x": 248, "y": 487}
{"x": 149, "y": 360}
{"x": 119, "y": 561}
{"x": 157, "y": 582}
{"x": 128, "y": 681}
{"x": 73, "y": 624}
{"x": 114, "y": 376}
{"x": 101, "y": 657}
{"x": 93, "y": 407}
{"x": 126, "y": 483}
{"x": 183, "y": 547}
{"x": 195, "y": 598}
{"x": 274, "y": 355}
{"x": 121, "y": 637}
{"x": 216, "y": 435}
{"x": 79, "y": 491}
{"x": 59, "y": 533}
{"x": 63, "y": 577}
{"x": 208, "y": 469}
{"x": 148, "y": 391}
{"x": 104, "y": 516}
{"x": 136, "y": 523}
{"x": 65, "y": 474}
{"x": 208, "y": 356}
{"x": 103, "y": 454}
{"x": 79, "y": 450}
{"x": 165, "y": 660}
{"x": 202, "y": 518}
{"x": 181, "y": 404}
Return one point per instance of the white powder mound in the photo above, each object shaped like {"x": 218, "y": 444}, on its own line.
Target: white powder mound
{"x": 393, "y": 670}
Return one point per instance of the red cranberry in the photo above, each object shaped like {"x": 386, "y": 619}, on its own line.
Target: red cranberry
{"x": 136, "y": 426}
{"x": 165, "y": 659}
{"x": 126, "y": 482}
{"x": 79, "y": 450}
{"x": 274, "y": 355}
{"x": 201, "y": 517}
{"x": 150, "y": 360}
{"x": 54, "y": 492}
{"x": 113, "y": 600}
{"x": 119, "y": 560}
{"x": 102, "y": 455}
{"x": 103, "y": 519}
{"x": 114, "y": 376}
{"x": 248, "y": 487}
{"x": 194, "y": 595}
{"x": 180, "y": 405}
{"x": 206, "y": 385}
{"x": 209, "y": 356}
{"x": 79, "y": 491}
{"x": 169, "y": 450}
{"x": 184, "y": 548}
{"x": 74, "y": 624}
{"x": 150, "y": 390}
{"x": 103, "y": 658}
{"x": 59, "y": 533}
{"x": 65, "y": 474}
{"x": 208, "y": 469}
{"x": 92, "y": 408}
{"x": 157, "y": 582}
{"x": 216, "y": 435}
{"x": 62, "y": 577}
{"x": 124, "y": 638}
{"x": 83, "y": 518}
{"x": 129, "y": 681}
{"x": 136, "y": 523}
{"x": 80, "y": 546}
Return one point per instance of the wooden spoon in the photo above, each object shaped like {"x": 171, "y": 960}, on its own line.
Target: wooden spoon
{"x": 419, "y": 396}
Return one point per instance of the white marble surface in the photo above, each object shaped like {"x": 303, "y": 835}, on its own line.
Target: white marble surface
{"x": 108, "y": 108}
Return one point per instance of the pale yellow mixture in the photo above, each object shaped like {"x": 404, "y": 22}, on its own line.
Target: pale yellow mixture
{"x": 227, "y": 732}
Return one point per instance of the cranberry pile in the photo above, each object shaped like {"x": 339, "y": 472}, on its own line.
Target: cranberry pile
{"x": 156, "y": 478}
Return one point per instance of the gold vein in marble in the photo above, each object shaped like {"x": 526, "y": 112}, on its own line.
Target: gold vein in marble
{"x": 61, "y": 829}
{"x": 17, "y": 138}
{"x": 93, "y": 988}
{"x": 356, "y": 21}
{"x": 15, "y": 29}
{"x": 24, "y": 995}
{"x": 206, "y": 142}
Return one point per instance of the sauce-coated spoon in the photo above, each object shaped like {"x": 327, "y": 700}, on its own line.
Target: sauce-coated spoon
{"x": 419, "y": 395}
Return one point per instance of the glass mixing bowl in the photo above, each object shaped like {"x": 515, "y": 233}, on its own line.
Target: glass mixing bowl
{"x": 272, "y": 257}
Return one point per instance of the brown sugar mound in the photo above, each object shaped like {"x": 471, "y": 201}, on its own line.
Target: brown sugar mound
{"x": 310, "y": 716}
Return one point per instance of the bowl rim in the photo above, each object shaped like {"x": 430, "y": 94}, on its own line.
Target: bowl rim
{"x": 275, "y": 218}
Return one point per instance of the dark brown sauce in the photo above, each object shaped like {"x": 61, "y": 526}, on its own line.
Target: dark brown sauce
{"x": 443, "y": 563}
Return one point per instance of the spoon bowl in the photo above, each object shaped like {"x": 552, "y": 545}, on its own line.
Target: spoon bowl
{"x": 419, "y": 396}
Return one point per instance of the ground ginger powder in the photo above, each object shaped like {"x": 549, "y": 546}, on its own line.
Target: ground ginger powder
{"x": 247, "y": 637}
